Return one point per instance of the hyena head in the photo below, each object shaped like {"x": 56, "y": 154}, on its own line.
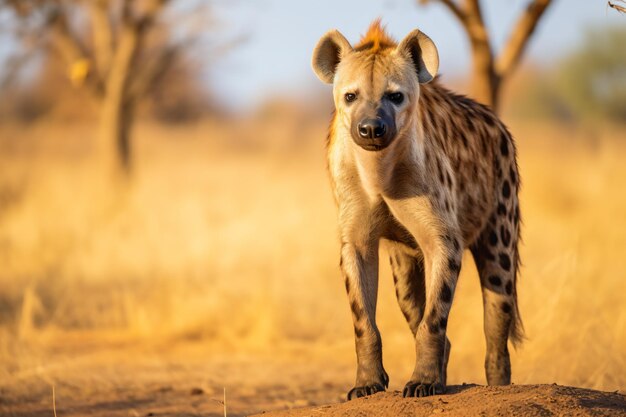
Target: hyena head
{"x": 375, "y": 83}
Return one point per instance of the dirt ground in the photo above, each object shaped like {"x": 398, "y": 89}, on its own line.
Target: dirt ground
{"x": 192, "y": 378}
{"x": 182, "y": 379}
{"x": 473, "y": 400}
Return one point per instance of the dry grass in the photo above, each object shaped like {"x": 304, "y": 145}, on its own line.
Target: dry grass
{"x": 228, "y": 237}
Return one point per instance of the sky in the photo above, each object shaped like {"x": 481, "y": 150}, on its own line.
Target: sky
{"x": 279, "y": 37}
{"x": 281, "y": 34}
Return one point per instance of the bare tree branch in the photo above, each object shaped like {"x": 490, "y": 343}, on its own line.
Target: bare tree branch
{"x": 523, "y": 30}
{"x": 617, "y": 7}
{"x": 454, "y": 8}
{"x": 102, "y": 36}
{"x": 68, "y": 45}
{"x": 154, "y": 70}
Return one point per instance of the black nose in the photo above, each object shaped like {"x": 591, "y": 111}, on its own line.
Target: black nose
{"x": 372, "y": 128}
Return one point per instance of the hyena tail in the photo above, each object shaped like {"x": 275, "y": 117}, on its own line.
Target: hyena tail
{"x": 516, "y": 330}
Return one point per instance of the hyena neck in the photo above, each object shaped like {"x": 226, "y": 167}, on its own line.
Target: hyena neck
{"x": 378, "y": 171}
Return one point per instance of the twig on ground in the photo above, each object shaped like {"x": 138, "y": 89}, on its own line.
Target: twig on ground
{"x": 54, "y": 403}
{"x": 225, "y": 402}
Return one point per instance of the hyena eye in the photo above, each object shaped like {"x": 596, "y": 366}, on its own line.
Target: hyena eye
{"x": 350, "y": 97}
{"x": 396, "y": 98}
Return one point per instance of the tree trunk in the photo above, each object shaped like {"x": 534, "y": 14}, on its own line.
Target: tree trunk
{"x": 118, "y": 106}
{"x": 485, "y": 83}
{"x": 116, "y": 119}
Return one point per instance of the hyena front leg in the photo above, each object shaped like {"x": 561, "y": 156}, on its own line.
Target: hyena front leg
{"x": 442, "y": 268}
{"x": 360, "y": 269}
{"x": 408, "y": 277}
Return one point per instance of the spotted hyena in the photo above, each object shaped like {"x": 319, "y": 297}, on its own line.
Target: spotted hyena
{"x": 428, "y": 173}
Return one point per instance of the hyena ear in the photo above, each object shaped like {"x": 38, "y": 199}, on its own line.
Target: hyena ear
{"x": 328, "y": 52}
{"x": 423, "y": 52}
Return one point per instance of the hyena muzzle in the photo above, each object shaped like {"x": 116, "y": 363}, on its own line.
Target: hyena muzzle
{"x": 429, "y": 174}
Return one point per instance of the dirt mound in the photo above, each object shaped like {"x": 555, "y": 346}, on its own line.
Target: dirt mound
{"x": 474, "y": 400}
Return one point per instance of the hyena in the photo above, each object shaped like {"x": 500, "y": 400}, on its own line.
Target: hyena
{"x": 429, "y": 174}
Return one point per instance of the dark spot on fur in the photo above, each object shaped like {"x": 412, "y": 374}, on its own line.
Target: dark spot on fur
{"x": 347, "y": 285}
{"x": 395, "y": 279}
{"x": 446, "y": 293}
{"x": 506, "y": 189}
{"x": 449, "y": 178}
{"x": 506, "y": 308}
{"x": 505, "y": 235}
{"x": 504, "y": 145}
{"x": 493, "y": 238}
{"x": 495, "y": 280}
{"x": 501, "y": 209}
{"x": 358, "y": 331}
{"x": 453, "y": 265}
{"x": 489, "y": 120}
{"x": 407, "y": 297}
{"x": 356, "y": 309}
{"x": 433, "y": 326}
{"x": 512, "y": 175}
{"x": 443, "y": 323}
{"x": 457, "y": 245}
{"x": 505, "y": 261}
{"x": 469, "y": 122}
{"x": 509, "y": 288}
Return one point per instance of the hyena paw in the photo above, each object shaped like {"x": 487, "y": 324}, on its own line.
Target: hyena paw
{"x": 422, "y": 389}
{"x": 358, "y": 392}
{"x": 362, "y": 390}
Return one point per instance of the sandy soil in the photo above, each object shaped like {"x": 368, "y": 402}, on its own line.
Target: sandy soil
{"x": 474, "y": 400}
{"x": 190, "y": 378}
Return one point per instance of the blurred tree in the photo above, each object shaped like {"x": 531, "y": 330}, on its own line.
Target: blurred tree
{"x": 118, "y": 50}
{"x": 592, "y": 79}
{"x": 489, "y": 71}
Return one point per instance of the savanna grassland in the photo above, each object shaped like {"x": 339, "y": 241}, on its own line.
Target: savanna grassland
{"x": 213, "y": 273}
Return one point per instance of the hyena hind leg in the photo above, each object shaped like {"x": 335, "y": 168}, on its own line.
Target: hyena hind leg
{"x": 409, "y": 280}
{"x": 495, "y": 255}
